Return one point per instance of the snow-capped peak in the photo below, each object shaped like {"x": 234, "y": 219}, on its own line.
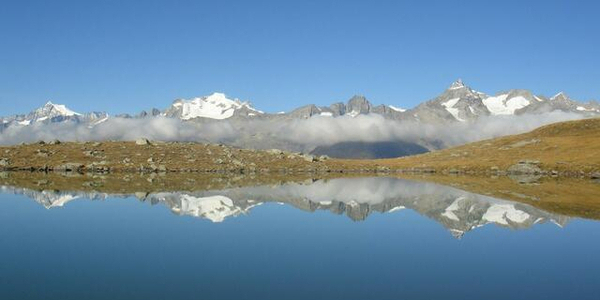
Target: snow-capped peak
{"x": 56, "y": 109}
{"x": 48, "y": 112}
{"x": 560, "y": 95}
{"x": 214, "y": 106}
{"x": 457, "y": 85}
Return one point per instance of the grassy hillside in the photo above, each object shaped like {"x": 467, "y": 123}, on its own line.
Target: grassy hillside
{"x": 570, "y": 147}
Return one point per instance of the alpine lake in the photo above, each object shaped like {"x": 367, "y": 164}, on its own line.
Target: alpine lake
{"x": 186, "y": 236}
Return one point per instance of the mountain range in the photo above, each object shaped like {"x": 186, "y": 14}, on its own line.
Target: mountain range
{"x": 458, "y": 103}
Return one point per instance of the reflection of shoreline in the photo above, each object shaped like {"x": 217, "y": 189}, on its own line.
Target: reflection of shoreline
{"x": 568, "y": 197}
{"x": 459, "y": 211}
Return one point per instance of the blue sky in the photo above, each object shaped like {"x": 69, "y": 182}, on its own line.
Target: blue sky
{"x": 124, "y": 57}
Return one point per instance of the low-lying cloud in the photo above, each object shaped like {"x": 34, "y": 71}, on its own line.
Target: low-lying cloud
{"x": 310, "y": 132}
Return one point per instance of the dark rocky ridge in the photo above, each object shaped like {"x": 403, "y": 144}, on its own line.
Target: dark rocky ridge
{"x": 370, "y": 150}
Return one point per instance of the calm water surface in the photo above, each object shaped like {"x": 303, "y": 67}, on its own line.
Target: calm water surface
{"x": 371, "y": 238}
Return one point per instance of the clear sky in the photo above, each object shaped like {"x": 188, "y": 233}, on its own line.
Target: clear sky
{"x": 124, "y": 56}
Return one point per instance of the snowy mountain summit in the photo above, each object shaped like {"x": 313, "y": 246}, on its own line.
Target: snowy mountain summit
{"x": 53, "y": 110}
{"x": 459, "y": 84}
{"x": 215, "y": 106}
{"x": 52, "y": 113}
{"x": 48, "y": 112}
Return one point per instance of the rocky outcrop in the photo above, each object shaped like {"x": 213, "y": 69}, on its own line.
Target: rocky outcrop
{"x": 525, "y": 167}
{"x": 142, "y": 141}
{"x": 4, "y": 163}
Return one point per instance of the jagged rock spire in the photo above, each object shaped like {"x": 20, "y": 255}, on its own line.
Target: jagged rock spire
{"x": 457, "y": 84}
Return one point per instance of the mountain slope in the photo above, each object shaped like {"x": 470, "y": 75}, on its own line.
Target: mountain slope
{"x": 571, "y": 146}
{"x": 457, "y": 103}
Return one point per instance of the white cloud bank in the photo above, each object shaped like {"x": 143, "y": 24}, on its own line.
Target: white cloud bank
{"x": 309, "y": 132}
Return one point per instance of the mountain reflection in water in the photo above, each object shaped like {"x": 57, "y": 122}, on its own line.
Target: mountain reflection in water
{"x": 457, "y": 210}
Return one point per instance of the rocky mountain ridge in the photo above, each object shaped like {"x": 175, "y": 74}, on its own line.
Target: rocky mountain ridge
{"x": 458, "y": 103}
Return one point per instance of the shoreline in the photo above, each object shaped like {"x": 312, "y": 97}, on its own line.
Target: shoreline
{"x": 567, "y": 196}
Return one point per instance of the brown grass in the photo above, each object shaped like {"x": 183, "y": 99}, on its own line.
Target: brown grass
{"x": 175, "y": 157}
